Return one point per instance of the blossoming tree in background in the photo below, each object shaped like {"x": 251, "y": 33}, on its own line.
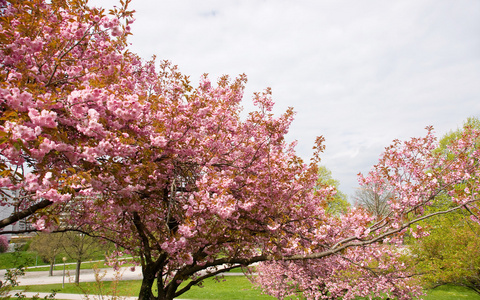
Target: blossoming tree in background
{"x": 418, "y": 174}
{"x": 95, "y": 140}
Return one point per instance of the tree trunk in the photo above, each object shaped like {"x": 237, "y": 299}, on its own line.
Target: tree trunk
{"x": 52, "y": 264}
{"x": 146, "y": 288}
{"x": 149, "y": 275}
{"x": 77, "y": 272}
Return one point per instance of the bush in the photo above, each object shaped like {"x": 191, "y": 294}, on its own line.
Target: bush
{"x": 3, "y": 244}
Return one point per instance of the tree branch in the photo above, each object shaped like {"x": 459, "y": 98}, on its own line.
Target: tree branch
{"x": 24, "y": 213}
{"x": 201, "y": 278}
{"x": 346, "y": 243}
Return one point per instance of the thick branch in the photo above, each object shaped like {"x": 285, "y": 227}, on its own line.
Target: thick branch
{"x": 24, "y": 213}
{"x": 225, "y": 261}
{"x": 143, "y": 236}
{"x": 346, "y": 243}
{"x": 18, "y": 231}
{"x": 201, "y": 278}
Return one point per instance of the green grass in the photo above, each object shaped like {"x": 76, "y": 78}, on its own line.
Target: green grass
{"x": 450, "y": 292}
{"x": 11, "y": 259}
{"x": 28, "y": 258}
{"x": 239, "y": 287}
{"x": 231, "y": 287}
{"x": 447, "y": 292}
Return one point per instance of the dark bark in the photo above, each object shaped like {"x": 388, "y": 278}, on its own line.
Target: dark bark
{"x": 474, "y": 286}
{"x": 147, "y": 284}
{"x": 24, "y": 213}
{"x": 164, "y": 292}
{"x": 52, "y": 264}
{"x": 77, "y": 271}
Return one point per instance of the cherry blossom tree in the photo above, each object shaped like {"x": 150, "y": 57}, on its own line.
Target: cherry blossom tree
{"x": 95, "y": 140}
{"x": 376, "y": 271}
{"x": 416, "y": 174}
{"x": 3, "y": 244}
{"x": 217, "y": 192}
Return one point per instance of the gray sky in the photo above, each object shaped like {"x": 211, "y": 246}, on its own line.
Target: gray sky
{"x": 360, "y": 73}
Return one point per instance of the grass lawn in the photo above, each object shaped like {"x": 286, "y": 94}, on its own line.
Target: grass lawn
{"x": 449, "y": 292}
{"x": 11, "y": 260}
{"x": 231, "y": 288}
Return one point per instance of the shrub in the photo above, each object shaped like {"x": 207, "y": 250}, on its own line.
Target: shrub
{"x": 3, "y": 244}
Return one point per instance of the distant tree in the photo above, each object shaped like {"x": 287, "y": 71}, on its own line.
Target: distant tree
{"x": 48, "y": 246}
{"x": 450, "y": 254}
{"x": 80, "y": 247}
{"x": 374, "y": 197}
{"x": 471, "y": 122}
{"x": 336, "y": 203}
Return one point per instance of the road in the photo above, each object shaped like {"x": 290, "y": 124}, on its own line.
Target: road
{"x": 88, "y": 275}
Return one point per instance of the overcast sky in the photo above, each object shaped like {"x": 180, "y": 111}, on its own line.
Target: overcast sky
{"x": 360, "y": 73}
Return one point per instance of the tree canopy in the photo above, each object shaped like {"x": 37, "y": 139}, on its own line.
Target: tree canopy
{"x": 374, "y": 199}
{"x": 450, "y": 254}
{"x": 338, "y": 204}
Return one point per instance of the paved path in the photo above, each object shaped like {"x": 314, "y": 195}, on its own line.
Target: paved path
{"x": 87, "y": 275}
